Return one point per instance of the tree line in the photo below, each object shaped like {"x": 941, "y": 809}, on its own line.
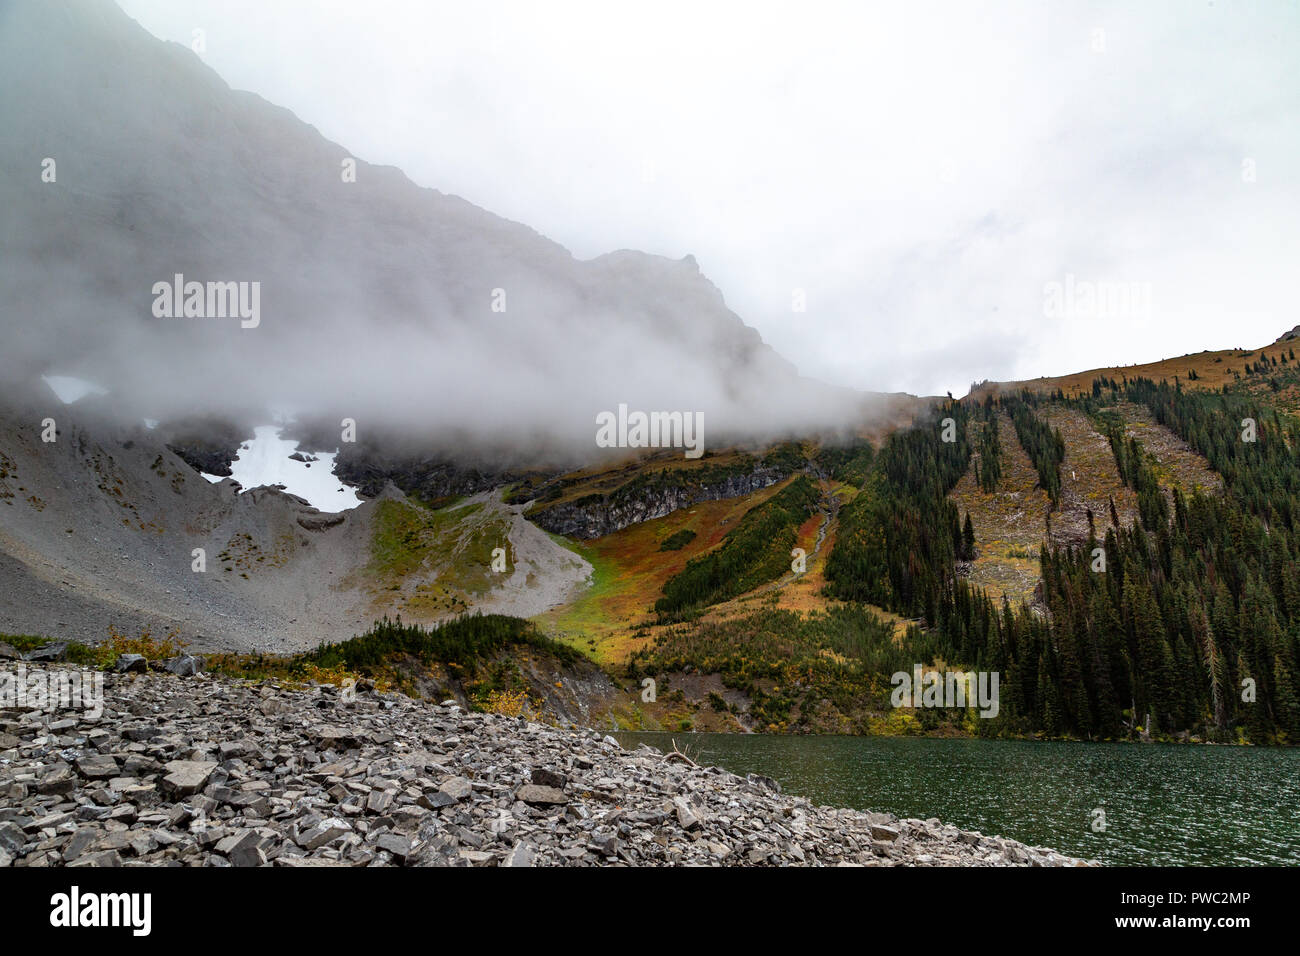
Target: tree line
{"x": 1186, "y": 622}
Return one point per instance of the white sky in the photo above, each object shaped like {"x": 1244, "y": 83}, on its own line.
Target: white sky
{"x": 920, "y": 170}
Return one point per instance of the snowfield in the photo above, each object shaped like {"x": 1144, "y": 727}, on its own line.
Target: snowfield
{"x": 264, "y": 460}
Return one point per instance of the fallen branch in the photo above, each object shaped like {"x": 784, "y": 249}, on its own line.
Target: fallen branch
{"x": 675, "y": 753}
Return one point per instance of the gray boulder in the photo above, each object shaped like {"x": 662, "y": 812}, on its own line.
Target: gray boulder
{"x": 187, "y": 665}
{"x": 131, "y": 664}
{"x": 54, "y": 651}
{"x": 185, "y": 777}
{"x": 541, "y": 796}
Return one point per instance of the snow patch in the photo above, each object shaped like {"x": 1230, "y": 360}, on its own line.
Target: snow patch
{"x": 264, "y": 460}
{"x": 69, "y": 388}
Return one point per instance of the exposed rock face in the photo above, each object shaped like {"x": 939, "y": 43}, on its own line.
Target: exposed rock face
{"x": 207, "y": 445}
{"x": 370, "y": 470}
{"x": 427, "y": 470}
{"x": 208, "y": 772}
{"x": 320, "y": 522}
{"x": 600, "y": 515}
{"x": 207, "y": 458}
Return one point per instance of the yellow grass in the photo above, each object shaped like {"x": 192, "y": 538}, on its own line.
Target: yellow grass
{"x": 1213, "y": 370}
{"x": 630, "y": 573}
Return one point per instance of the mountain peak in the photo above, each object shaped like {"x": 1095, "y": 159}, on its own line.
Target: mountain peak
{"x": 380, "y": 299}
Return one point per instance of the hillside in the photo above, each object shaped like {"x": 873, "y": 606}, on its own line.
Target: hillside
{"x": 99, "y": 531}
{"x": 127, "y": 163}
{"x": 1120, "y": 545}
{"x": 763, "y": 647}
{"x": 1200, "y": 370}
{"x": 809, "y": 652}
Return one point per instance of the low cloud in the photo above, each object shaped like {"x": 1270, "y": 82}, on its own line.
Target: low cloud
{"x": 400, "y": 307}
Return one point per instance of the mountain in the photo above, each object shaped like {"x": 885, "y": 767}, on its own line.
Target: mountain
{"x": 405, "y": 309}
{"x": 469, "y": 349}
{"x": 1121, "y": 546}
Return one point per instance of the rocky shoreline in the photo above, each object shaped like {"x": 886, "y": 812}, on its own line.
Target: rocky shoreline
{"x": 201, "y": 771}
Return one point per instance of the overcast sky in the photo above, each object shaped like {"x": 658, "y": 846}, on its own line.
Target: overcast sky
{"x": 919, "y": 174}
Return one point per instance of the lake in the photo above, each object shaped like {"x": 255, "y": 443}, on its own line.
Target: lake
{"x": 1161, "y": 804}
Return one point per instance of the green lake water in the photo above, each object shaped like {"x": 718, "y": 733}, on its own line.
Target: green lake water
{"x": 1162, "y": 804}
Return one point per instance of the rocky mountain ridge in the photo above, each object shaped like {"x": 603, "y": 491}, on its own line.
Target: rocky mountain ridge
{"x": 598, "y": 515}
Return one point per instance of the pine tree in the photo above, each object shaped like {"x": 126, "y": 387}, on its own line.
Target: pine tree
{"x": 1286, "y": 704}
{"x": 1215, "y": 669}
